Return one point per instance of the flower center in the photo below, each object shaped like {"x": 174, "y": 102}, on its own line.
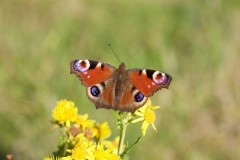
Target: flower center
{"x": 149, "y": 116}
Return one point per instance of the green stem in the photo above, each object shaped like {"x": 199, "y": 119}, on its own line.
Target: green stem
{"x": 129, "y": 148}
{"x": 123, "y": 127}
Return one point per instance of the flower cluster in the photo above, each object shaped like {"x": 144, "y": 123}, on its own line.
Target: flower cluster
{"x": 86, "y": 139}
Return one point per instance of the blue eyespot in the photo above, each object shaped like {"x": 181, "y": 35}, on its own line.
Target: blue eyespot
{"x": 138, "y": 97}
{"x": 75, "y": 65}
{"x": 95, "y": 91}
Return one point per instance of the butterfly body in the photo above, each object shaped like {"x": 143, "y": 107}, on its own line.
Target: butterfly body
{"x": 118, "y": 88}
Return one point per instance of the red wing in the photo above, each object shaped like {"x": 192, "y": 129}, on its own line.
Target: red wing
{"x": 148, "y": 81}
{"x": 91, "y": 72}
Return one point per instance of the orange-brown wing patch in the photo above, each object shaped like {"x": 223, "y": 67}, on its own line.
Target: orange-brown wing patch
{"x": 107, "y": 98}
{"x": 144, "y": 84}
{"x": 126, "y": 98}
{"x": 127, "y": 102}
{"x": 96, "y": 75}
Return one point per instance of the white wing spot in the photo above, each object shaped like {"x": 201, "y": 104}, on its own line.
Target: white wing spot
{"x": 149, "y": 86}
{"x": 144, "y": 72}
{"x": 99, "y": 64}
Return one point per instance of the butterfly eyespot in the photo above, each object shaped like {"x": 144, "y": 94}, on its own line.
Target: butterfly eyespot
{"x": 95, "y": 91}
{"x": 81, "y": 65}
{"x": 138, "y": 97}
{"x": 160, "y": 78}
{"x": 75, "y": 64}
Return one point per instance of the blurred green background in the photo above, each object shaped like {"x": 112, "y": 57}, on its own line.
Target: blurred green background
{"x": 197, "y": 42}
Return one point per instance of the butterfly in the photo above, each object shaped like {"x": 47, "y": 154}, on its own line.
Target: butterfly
{"x": 118, "y": 88}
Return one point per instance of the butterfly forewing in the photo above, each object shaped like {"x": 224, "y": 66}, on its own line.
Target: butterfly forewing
{"x": 91, "y": 72}
{"x": 148, "y": 81}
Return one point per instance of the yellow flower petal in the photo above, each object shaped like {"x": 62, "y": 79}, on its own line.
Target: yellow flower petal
{"x": 105, "y": 154}
{"x": 137, "y": 120}
{"x": 139, "y": 113}
{"x": 155, "y": 107}
{"x": 66, "y": 158}
{"x": 84, "y": 122}
{"x": 112, "y": 144}
{"x": 103, "y": 131}
{"x": 154, "y": 127}
{"x": 84, "y": 148}
{"x": 144, "y": 127}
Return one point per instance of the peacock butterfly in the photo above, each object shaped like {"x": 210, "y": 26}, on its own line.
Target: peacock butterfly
{"x": 119, "y": 89}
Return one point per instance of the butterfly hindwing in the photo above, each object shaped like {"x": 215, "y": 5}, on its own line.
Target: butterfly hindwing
{"x": 148, "y": 81}
{"x": 131, "y": 98}
{"x": 104, "y": 97}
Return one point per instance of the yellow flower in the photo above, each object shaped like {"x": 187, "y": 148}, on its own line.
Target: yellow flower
{"x": 84, "y": 122}
{"x": 65, "y": 111}
{"x": 80, "y": 152}
{"x": 83, "y": 149}
{"x": 86, "y": 125}
{"x": 112, "y": 144}
{"x": 102, "y": 154}
{"x": 146, "y": 115}
{"x": 103, "y": 131}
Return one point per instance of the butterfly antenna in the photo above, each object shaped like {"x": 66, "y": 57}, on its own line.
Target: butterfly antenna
{"x": 137, "y": 51}
{"x": 114, "y": 52}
